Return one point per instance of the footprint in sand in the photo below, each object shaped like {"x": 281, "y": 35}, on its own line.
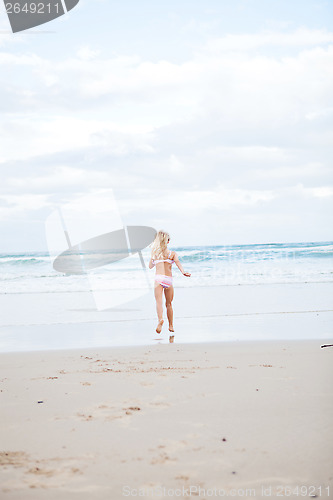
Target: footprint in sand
{"x": 162, "y": 458}
{"x": 85, "y": 417}
{"x": 131, "y": 409}
{"x": 159, "y": 404}
{"x": 265, "y": 366}
{"x": 41, "y": 472}
{"x": 44, "y": 468}
{"x": 108, "y": 413}
{"x": 15, "y": 458}
{"x": 182, "y": 478}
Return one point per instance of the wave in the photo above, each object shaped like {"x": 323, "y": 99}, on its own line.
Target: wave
{"x": 206, "y": 253}
{"x": 227, "y": 263}
{"x": 256, "y": 252}
{"x": 23, "y": 259}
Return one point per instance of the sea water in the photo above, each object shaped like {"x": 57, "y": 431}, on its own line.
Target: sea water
{"x": 210, "y": 266}
{"x": 232, "y": 289}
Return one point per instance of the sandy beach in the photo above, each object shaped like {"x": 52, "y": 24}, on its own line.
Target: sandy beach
{"x": 202, "y": 420}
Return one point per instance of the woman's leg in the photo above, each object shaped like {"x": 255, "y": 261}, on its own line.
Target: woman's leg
{"x": 169, "y": 292}
{"x": 159, "y": 307}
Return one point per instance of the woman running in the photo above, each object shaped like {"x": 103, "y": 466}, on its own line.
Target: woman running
{"x": 163, "y": 259}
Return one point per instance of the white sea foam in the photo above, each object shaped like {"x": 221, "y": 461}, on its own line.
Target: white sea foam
{"x": 210, "y": 266}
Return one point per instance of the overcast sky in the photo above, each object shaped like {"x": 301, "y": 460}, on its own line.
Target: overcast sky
{"x": 211, "y": 119}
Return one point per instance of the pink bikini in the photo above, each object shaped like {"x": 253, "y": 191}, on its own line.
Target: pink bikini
{"x": 162, "y": 279}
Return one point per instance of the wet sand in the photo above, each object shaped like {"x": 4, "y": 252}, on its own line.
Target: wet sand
{"x": 295, "y": 311}
{"x": 108, "y": 423}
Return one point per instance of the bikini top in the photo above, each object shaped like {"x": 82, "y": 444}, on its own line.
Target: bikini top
{"x": 164, "y": 260}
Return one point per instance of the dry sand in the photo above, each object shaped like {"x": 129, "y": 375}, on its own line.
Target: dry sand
{"x": 101, "y": 423}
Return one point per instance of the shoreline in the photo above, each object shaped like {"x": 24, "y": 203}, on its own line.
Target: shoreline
{"x": 164, "y": 342}
{"x": 201, "y": 314}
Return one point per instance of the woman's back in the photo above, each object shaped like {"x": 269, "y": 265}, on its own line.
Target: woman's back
{"x": 164, "y": 265}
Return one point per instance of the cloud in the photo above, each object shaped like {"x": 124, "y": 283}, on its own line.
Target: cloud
{"x": 234, "y": 96}
{"x": 81, "y": 79}
{"x": 232, "y": 129}
{"x": 300, "y": 38}
{"x": 21, "y": 206}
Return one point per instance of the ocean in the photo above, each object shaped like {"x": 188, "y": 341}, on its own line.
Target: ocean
{"x": 32, "y": 272}
{"x": 114, "y": 304}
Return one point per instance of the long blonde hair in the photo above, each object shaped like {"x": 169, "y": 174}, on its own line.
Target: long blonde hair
{"x": 159, "y": 245}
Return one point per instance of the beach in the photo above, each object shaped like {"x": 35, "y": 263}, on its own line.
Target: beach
{"x": 95, "y": 404}
{"x": 201, "y": 419}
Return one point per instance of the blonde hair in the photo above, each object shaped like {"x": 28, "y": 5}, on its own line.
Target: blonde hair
{"x": 159, "y": 245}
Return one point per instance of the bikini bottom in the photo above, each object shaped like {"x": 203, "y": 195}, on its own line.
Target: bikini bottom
{"x": 165, "y": 281}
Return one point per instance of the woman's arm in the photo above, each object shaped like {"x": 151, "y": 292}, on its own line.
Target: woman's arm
{"x": 180, "y": 267}
{"x": 151, "y": 263}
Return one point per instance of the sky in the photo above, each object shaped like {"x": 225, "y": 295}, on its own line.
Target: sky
{"x": 209, "y": 119}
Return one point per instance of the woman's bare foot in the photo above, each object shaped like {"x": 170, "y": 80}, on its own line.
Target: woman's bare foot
{"x": 159, "y": 326}
{"x": 171, "y": 339}
{"x": 171, "y": 328}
